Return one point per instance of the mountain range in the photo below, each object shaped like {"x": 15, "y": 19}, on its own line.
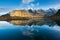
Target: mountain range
{"x": 56, "y": 16}
{"x": 46, "y": 13}
{"x": 30, "y": 13}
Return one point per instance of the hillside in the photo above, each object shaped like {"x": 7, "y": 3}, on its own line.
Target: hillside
{"x": 22, "y": 15}
{"x": 56, "y": 16}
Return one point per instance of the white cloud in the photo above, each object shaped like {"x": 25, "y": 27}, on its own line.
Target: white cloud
{"x": 3, "y": 11}
{"x": 27, "y": 1}
{"x": 57, "y": 6}
{"x": 37, "y": 4}
{"x": 33, "y": 6}
{"x": 28, "y": 4}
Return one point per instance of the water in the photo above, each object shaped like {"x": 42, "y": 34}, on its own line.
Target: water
{"x": 29, "y": 30}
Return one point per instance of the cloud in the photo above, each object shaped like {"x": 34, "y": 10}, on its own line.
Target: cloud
{"x": 28, "y": 4}
{"x": 33, "y": 6}
{"x": 37, "y": 4}
{"x": 4, "y": 10}
{"x": 27, "y": 1}
{"x": 57, "y": 6}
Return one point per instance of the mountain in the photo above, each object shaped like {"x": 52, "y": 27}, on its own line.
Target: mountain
{"x": 37, "y": 12}
{"x": 58, "y": 13}
{"x": 27, "y": 22}
{"x": 41, "y": 12}
{"x": 32, "y": 11}
{"x": 45, "y": 13}
{"x": 20, "y": 13}
{"x": 6, "y": 15}
{"x": 50, "y": 12}
{"x": 56, "y": 16}
{"x": 23, "y": 14}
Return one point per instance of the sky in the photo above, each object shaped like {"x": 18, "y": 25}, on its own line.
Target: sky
{"x": 9, "y": 5}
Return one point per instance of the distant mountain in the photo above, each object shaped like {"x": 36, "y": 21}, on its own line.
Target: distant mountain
{"x": 56, "y": 16}
{"x": 32, "y": 11}
{"x": 58, "y": 13}
{"x": 37, "y": 12}
{"x": 50, "y": 12}
{"x": 19, "y": 14}
{"x": 23, "y": 14}
{"x": 6, "y": 15}
{"x": 45, "y": 13}
{"x": 40, "y": 12}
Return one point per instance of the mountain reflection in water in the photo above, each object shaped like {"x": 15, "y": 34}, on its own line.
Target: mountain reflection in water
{"x": 27, "y": 22}
{"x": 34, "y": 22}
{"x": 29, "y": 30}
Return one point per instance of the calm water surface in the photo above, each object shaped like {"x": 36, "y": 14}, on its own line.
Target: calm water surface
{"x": 33, "y": 30}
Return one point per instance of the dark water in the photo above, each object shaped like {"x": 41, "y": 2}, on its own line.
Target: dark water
{"x": 33, "y": 30}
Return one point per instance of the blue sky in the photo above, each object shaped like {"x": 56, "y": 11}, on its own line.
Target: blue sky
{"x": 8, "y": 5}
